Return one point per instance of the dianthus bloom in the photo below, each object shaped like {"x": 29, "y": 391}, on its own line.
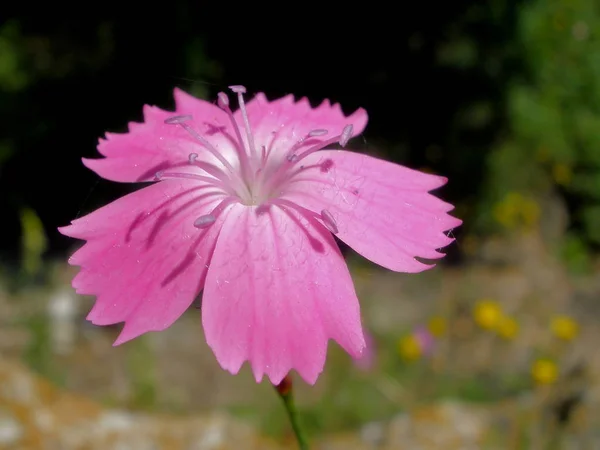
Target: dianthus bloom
{"x": 243, "y": 206}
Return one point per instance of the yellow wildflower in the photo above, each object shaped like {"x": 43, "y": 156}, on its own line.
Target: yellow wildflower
{"x": 437, "y": 326}
{"x": 507, "y": 327}
{"x": 564, "y": 327}
{"x": 506, "y": 211}
{"x": 544, "y": 371}
{"x": 487, "y": 314}
{"x": 409, "y": 347}
{"x": 516, "y": 210}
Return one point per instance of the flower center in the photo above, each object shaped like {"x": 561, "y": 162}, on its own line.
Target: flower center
{"x": 253, "y": 178}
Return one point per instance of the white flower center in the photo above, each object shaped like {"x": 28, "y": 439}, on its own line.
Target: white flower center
{"x": 258, "y": 177}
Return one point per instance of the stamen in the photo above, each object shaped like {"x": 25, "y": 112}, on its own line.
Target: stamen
{"x": 342, "y": 139}
{"x": 291, "y": 157}
{"x": 209, "y": 168}
{"x": 223, "y": 102}
{"x": 325, "y": 215}
{"x": 346, "y": 135}
{"x": 240, "y": 90}
{"x": 205, "y": 221}
{"x": 284, "y": 169}
{"x": 177, "y": 119}
{"x": 204, "y": 142}
{"x": 329, "y": 221}
{"x": 324, "y": 167}
{"x": 162, "y": 175}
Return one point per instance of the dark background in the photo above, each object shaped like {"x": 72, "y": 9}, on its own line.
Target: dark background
{"x": 435, "y": 78}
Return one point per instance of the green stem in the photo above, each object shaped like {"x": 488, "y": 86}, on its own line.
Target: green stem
{"x": 284, "y": 389}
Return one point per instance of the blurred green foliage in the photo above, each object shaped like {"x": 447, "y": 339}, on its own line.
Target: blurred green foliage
{"x": 33, "y": 241}
{"x": 141, "y": 367}
{"x": 13, "y": 76}
{"x": 38, "y": 354}
{"x": 553, "y": 109}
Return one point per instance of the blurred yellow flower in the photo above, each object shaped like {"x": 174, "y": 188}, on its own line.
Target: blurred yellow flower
{"x": 437, "y": 326}
{"x": 544, "y": 371}
{"x": 507, "y": 327}
{"x": 516, "y": 210}
{"x": 409, "y": 347}
{"x": 487, "y": 314}
{"x": 564, "y": 327}
{"x": 562, "y": 174}
{"x": 505, "y": 212}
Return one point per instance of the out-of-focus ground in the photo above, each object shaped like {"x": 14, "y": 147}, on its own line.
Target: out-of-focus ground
{"x": 493, "y": 374}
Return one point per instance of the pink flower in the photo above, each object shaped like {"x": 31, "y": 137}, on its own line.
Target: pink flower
{"x": 425, "y": 339}
{"x": 244, "y": 207}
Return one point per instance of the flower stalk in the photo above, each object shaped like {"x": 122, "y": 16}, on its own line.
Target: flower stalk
{"x": 285, "y": 391}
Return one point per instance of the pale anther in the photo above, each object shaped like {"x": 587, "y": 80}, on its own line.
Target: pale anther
{"x": 319, "y": 132}
{"x": 346, "y": 135}
{"x": 192, "y": 158}
{"x": 329, "y": 221}
{"x": 205, "y": 221}
{"x": 178, "y": 119}
{"x": 238, "y": 89}
{"x": 222, "y": 100}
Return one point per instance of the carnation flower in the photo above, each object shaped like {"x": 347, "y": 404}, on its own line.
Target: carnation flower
{"x": 244, "y": 206}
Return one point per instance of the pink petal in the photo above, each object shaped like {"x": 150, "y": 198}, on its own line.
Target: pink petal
{"x": 203, "y": 112}
{"x": 144, "y": 259}
{"x": 279, "y": 124}
{"x": 382, "y": 210}
{"x": 153, "y": 145}
{"x": 277, "y": 289}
